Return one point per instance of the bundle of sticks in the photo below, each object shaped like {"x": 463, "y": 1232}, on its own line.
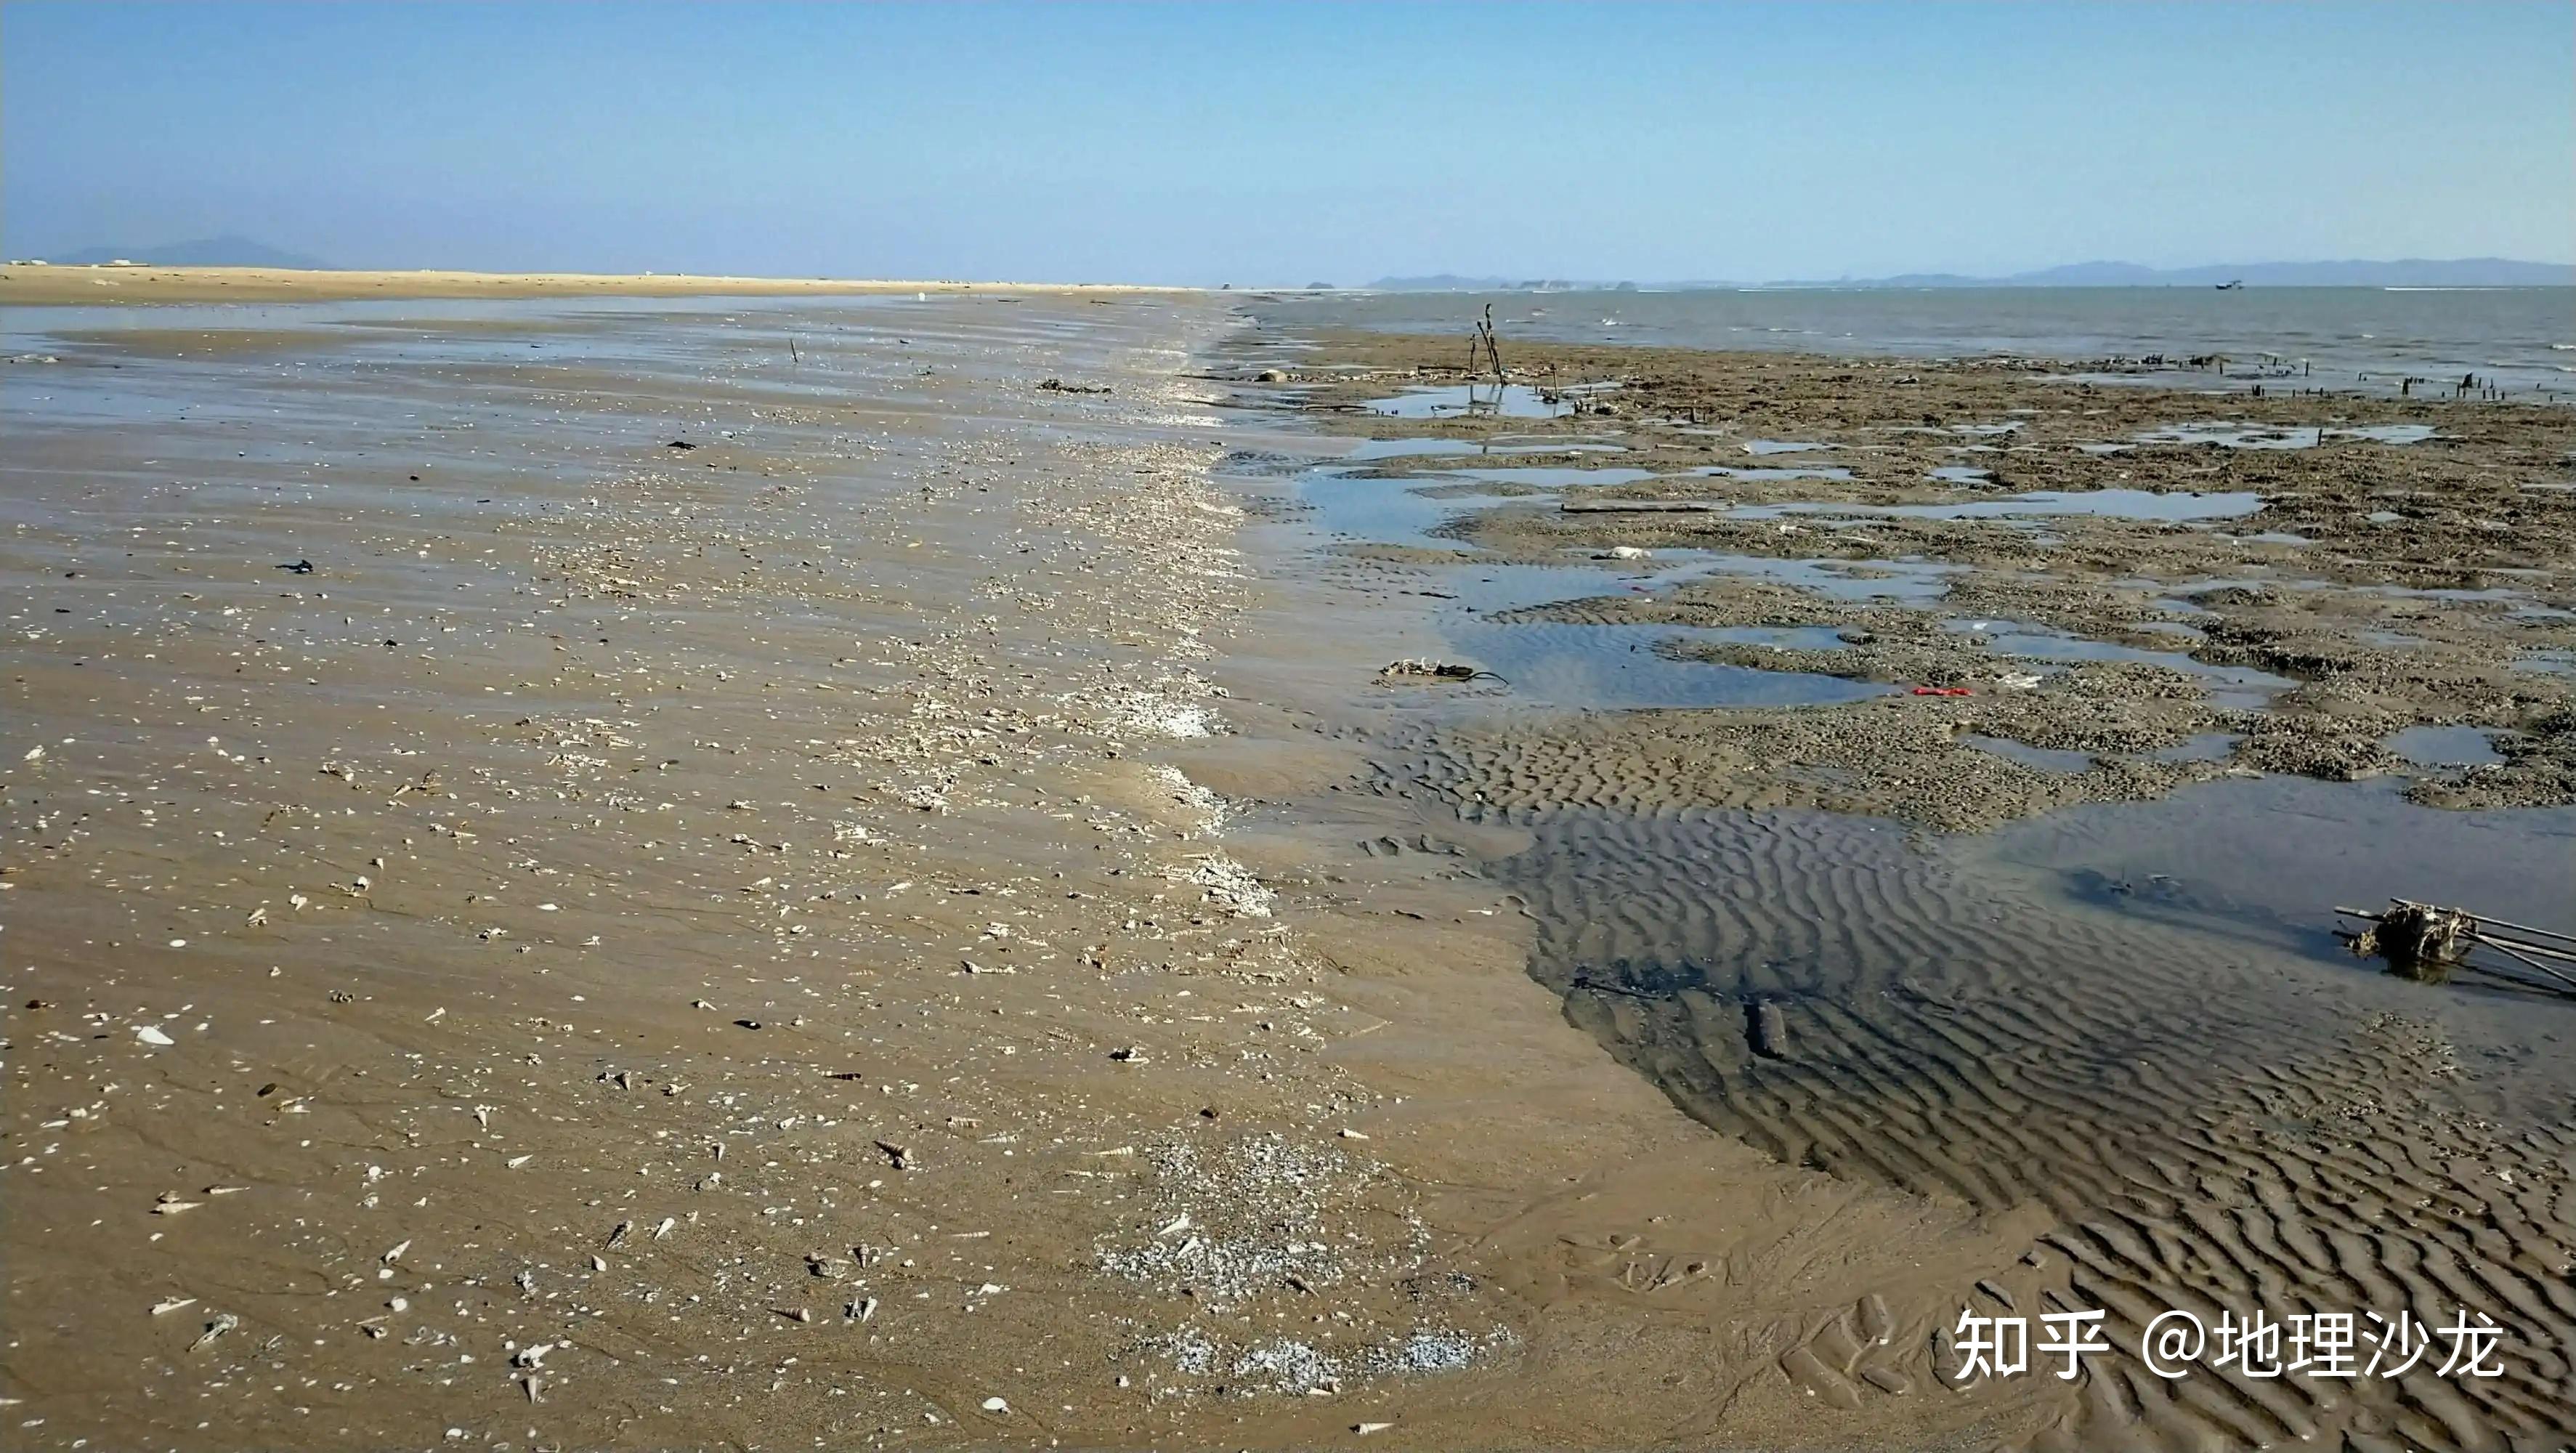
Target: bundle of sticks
{"x": 2424, "y": 941}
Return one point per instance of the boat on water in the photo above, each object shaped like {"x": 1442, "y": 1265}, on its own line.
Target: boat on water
{"x": 2232, "y": 285}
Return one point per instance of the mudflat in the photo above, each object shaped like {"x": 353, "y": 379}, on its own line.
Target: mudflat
{"x": 652, "y": 880}
{"x": 840, "y": 871}
{"x": 1940, "y": 775}
{"x": 2054, "y": 587}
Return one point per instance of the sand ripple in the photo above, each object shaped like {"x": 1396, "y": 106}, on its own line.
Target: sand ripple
{"x": 2203, "y": 1131}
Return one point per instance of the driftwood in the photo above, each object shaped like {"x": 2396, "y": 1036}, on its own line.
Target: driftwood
{"x": 1640, "y": 506}
{"x": 2425, "y": 942}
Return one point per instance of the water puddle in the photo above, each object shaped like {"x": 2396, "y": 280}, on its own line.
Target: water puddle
{"x": 1512, "y": 401}
{"x": 2445, "y": 746}
{"x": 2130, "y": 504}
{"x": 1911, "y": 581}
{"x": 1613, "y": 667}
{"x": 1368, "y": 449}
{"x": 2269, "y": 855}
{"x": 1960, "y": 474}
{"x": 1623, "y": 667}
{"x": 1545, "y": 478}
{"x": 2206, "y": 747}
{"x": 2549, "y": 661}
{"x": 1499, "y": 587}
{"x": 1386, "y": 511}
{"x": 1780, "y": 638}
{"x": 1813, "y": 471}
{"x": 2230, "y": 435}
{"x": 1351, "y": 507}
{"x": 1783, "y": 446}
{"x": 2193, "y": 634}
{"x": 2239, "y": 687}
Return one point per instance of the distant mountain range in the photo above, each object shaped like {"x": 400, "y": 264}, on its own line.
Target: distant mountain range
{"x": 2412, "y": 272}
{"x": 203, "y": 252}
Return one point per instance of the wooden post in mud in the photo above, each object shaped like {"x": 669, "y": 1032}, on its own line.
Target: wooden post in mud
{"x": 1493, "y": 350}
{"x": 1481, "y": 348}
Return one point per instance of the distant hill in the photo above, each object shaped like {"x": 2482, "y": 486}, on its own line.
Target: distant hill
{"x": 203, "y": 252}
{"x": 2412, "y": 272}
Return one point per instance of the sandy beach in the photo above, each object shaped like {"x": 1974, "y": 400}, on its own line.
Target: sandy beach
{"x": 838, "y": 871}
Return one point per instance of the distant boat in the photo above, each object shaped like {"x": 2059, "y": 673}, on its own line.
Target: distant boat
{"x": 2232, "y": 285}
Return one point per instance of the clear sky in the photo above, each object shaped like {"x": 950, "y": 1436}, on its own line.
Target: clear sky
{"x": 1279, "y": 144}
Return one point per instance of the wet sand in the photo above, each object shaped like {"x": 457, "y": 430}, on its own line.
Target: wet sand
{"x": 28, "y": 286}
{"x": 909, "y": 920}
{"x": 525, "y": 934}
{"x": 2112, "y": 579}
{"x": 2115, "y": 1022}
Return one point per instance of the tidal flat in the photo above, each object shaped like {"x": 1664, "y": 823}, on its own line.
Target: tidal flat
{"x": 629, "y": 871}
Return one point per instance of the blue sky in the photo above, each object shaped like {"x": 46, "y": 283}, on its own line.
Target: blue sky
{"x": 1282, "y": 143}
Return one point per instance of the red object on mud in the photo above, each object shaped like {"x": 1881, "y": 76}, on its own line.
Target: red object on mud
{"x": 1941, "y": 691}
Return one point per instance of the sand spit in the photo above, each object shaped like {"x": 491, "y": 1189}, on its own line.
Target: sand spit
{"x": 26, "y": 285}
{"x": 2114, "y": 1037}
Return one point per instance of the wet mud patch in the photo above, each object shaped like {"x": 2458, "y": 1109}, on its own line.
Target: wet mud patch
{"x": 2116, "y": 1026}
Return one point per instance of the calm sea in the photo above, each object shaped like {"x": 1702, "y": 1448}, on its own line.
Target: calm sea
{"x": 2521, "y": 339}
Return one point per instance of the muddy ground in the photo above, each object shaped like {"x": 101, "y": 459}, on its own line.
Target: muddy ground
{"x": 749, "y": 874}
{"x": 676, "y": 876}
{"x": 1940, "y": 839}
{"x": 2289, "y": 579}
